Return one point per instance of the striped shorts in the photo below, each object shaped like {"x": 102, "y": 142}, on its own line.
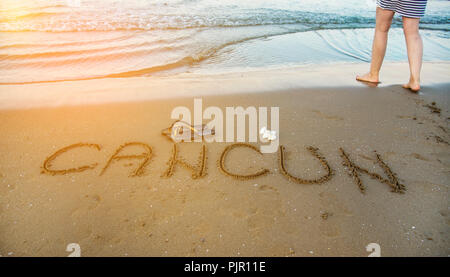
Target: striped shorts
{"x": 406, "y": 8}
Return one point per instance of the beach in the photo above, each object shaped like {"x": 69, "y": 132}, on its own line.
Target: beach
{"x": 321, "y": 165}
{"x": 119, "y": 214}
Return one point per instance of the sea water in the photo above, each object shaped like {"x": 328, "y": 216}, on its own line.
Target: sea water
{"x": 42, "y": 41}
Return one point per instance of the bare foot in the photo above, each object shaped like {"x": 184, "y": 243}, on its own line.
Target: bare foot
{"x": 412, "y": 85}
{"x": 369, "y": 78}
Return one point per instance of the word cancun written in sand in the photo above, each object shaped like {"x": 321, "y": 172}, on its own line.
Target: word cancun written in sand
{"x": 199, "y": 169}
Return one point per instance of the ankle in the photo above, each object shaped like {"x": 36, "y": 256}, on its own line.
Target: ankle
{"x": 374, "y": 75}
{"x": 414, "y": 80}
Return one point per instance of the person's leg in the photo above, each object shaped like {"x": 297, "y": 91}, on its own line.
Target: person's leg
{"x": 415, "y": 50}
{"x": 383, "y": 23}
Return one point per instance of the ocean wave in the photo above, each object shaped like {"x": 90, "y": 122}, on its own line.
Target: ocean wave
{"x": 178, "y": 22}
{"x": 135, "y": 15}
{"x": 93, "y": 56}
{"x": 87, "y": 50}
{"x": 174, "y": 22}
{"x": 186, "y": 61}
{"x": 53, "y": 44}
{"x": 90, "y": 58}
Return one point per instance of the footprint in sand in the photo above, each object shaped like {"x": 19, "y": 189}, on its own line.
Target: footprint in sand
{"x": 329, "y": 225}
{"x": 333, "y": 208}
{"x": 261, "y": 216}
{"x": 331, "y": 203}
{"x": 88, "y": 202}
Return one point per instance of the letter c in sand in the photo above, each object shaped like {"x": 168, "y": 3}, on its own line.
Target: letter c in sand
{"x": 236, "y": 176}
{"x": 47, "y": 163}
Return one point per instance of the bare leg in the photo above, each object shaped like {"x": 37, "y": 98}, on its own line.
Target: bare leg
{"x": 383, "y": 23}
{"x": 415, "y": 51}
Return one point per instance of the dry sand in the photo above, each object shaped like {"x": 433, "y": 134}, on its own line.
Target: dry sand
{"x": 118, "y": 215}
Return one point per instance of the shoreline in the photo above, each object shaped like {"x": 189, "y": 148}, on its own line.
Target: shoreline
{"x": 87, "y": 92}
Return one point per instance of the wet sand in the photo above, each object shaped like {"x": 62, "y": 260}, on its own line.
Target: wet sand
{"x": 117, "y": 214}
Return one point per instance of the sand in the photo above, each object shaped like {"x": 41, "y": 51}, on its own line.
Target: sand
{"x": 133, "y": 211}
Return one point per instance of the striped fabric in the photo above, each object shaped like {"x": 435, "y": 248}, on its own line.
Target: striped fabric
{"x": 407, "y": 8}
